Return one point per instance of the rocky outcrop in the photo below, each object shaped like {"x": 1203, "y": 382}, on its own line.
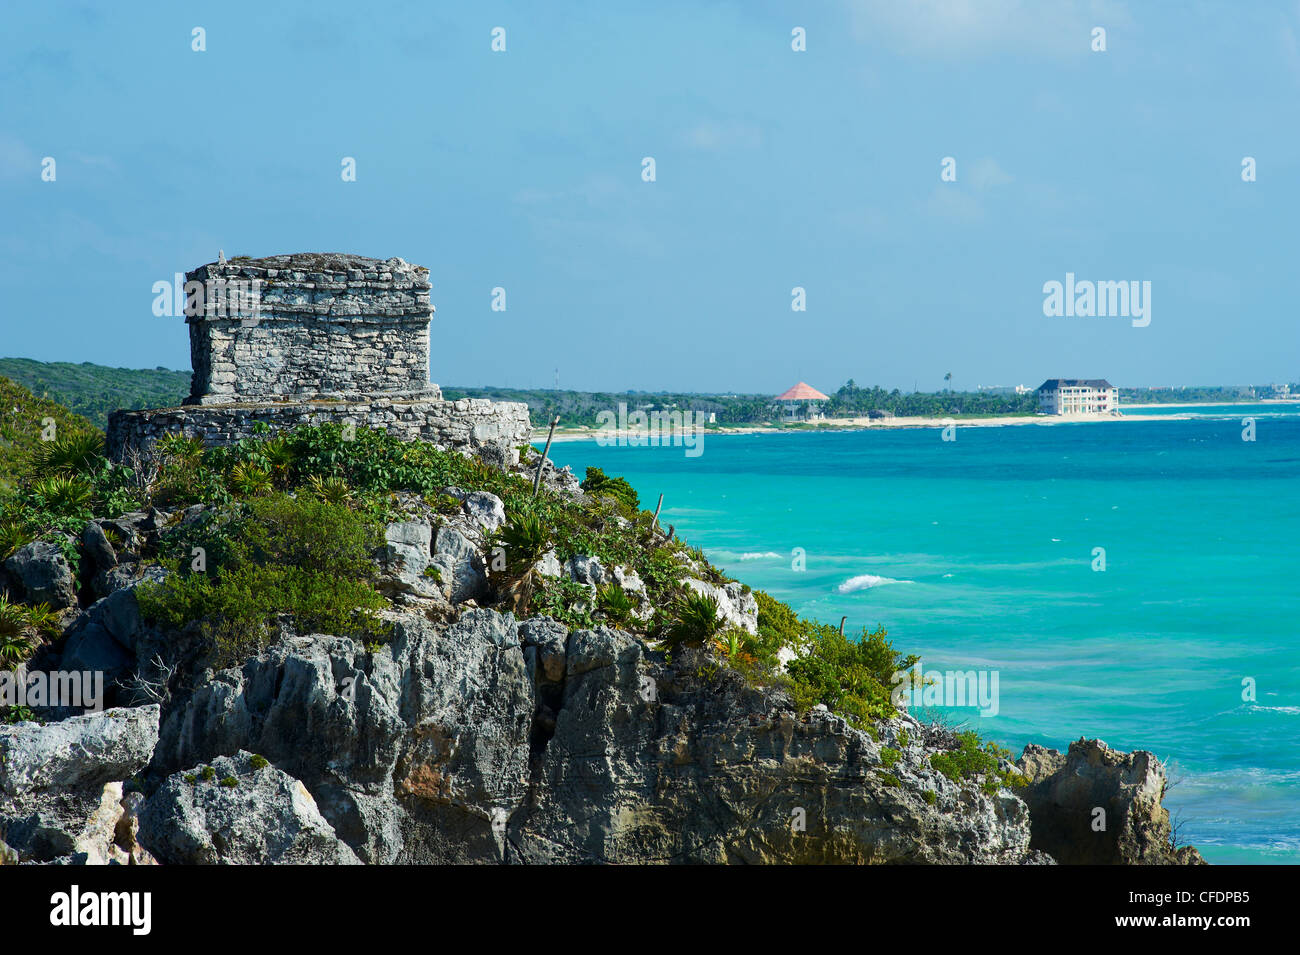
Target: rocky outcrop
{"x": 1097, "y": 806}
{"x": 83, "y": 751}
{"x": 737, "y": 607}
{"x": 490, "y": 740}
{"x": 62, "y": 797}
{"x": 43, "y": 574}
{"x": 239, "y": 811}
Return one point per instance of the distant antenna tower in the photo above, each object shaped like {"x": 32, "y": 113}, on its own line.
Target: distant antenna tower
{"x": 557, "y": 379}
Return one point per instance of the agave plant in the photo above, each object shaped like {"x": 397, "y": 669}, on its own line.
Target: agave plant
{"x": 696, "y": 623}
{"x": 13, "y": 535}
{"x": 248, "y": 480}
{"x": 180, "y": 448}
{"x": 68, "y": 455}
{"x": 524, "y": 539}
{"x": 615, "y": 603}
{"x": 43, "y": 619}
{"x": 331, "y": 490}
{"x": 736, "y": 644}
{"x": 16, "y": 642}
{"x": 280, "y": 458}
{"x": 65, "y": 494}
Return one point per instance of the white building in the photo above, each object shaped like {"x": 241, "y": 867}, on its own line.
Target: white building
{"x": 1078, "y": 396}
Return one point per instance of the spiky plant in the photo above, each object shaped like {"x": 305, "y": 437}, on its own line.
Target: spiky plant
{"x": 16, "y": 642}
{"x": 13, "y": 535}
{"x": 696, "y": 623}
{"x": 525, "y": 538}
{"x": 65, "y": 494}
{"x": 736, "y": 644}
{"x": 331, "y": 490}
{"x": 248, "y": 480}
{"x": 280, "y": 458}
{"x": 615, "y": 603}
{"x": 68, "y": 455}
{"x": 43, "y": 619}
{"x": 180, "y": 448}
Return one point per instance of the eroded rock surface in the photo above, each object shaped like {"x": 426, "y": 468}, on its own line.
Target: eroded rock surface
{"x": 1098, "y": 806}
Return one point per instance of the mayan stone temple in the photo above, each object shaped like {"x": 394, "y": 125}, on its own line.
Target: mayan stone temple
{"x": 310, "y": 338}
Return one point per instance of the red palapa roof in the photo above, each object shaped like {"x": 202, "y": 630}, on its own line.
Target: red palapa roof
{"x": 802, "y": 392}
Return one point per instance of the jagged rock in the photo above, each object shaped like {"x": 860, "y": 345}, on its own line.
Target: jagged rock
{"x": 239, "y": 813}
{"x": 737, "y": 608}
{"x": 549, "y": 565}
{"x": 94, "y": 841}
{"x": 643, "y": 769}
{"x": 126, "y": 837}
{"x": 629, "y": 581}
{"x": 42, "y": 572}
{"x": 586, "y": 570}
{"x": 408, "y": 751}
{"x": 91, "y": 648}
{"x": 405, "y": 558}
{"x": 485, "y": 510}
{"x": 1066, "y": 790}
{"x": 461, "y": 564}
{"x": 79, "y": 752}
{"x": 544, "y": 641}
{"x": 96, "y": 548}
{"x": 111, "y": 637}
{"x": 60, "y": 785}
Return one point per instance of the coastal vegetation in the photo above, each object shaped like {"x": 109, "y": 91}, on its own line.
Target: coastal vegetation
{"x": 282, "y": 530}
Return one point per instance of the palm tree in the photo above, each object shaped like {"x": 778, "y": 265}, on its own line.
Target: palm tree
{"x": 948, "y": 378}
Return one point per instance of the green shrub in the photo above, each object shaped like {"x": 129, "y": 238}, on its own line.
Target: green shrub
{"x": 851, "y": 677}
{"x": 565, "y": 600}
{"x": 259, "y": 762}
{"x": 283, "y": 555}
{"x": 598, "y": 483}
{"x": 888, "y": 756}
{"x": 969, "y": 758}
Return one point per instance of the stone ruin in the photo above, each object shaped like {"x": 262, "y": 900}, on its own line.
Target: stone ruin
{"x": 310, "y": 338}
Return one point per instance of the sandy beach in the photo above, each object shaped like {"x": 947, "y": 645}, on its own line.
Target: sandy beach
{"x": 1177, "y": 412}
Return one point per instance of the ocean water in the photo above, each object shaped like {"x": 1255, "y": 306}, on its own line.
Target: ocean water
{"x": 980, "y": 553}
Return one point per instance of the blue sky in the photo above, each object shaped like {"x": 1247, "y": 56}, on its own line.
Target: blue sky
{"x": 775, "y": 169}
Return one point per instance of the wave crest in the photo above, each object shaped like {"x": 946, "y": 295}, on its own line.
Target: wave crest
{"x": 866, "y": 582}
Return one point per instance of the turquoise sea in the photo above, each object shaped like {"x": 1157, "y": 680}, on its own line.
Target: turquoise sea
{"x": 979, "y": 554}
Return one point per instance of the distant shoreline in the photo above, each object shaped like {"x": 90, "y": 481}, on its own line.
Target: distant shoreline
{"x": 873, "y": 424}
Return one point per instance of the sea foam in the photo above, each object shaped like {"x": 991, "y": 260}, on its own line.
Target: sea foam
{"x": 866, "y": 582}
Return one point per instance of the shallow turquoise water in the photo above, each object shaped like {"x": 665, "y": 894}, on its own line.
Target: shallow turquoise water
{"x": 979, "y": 554}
